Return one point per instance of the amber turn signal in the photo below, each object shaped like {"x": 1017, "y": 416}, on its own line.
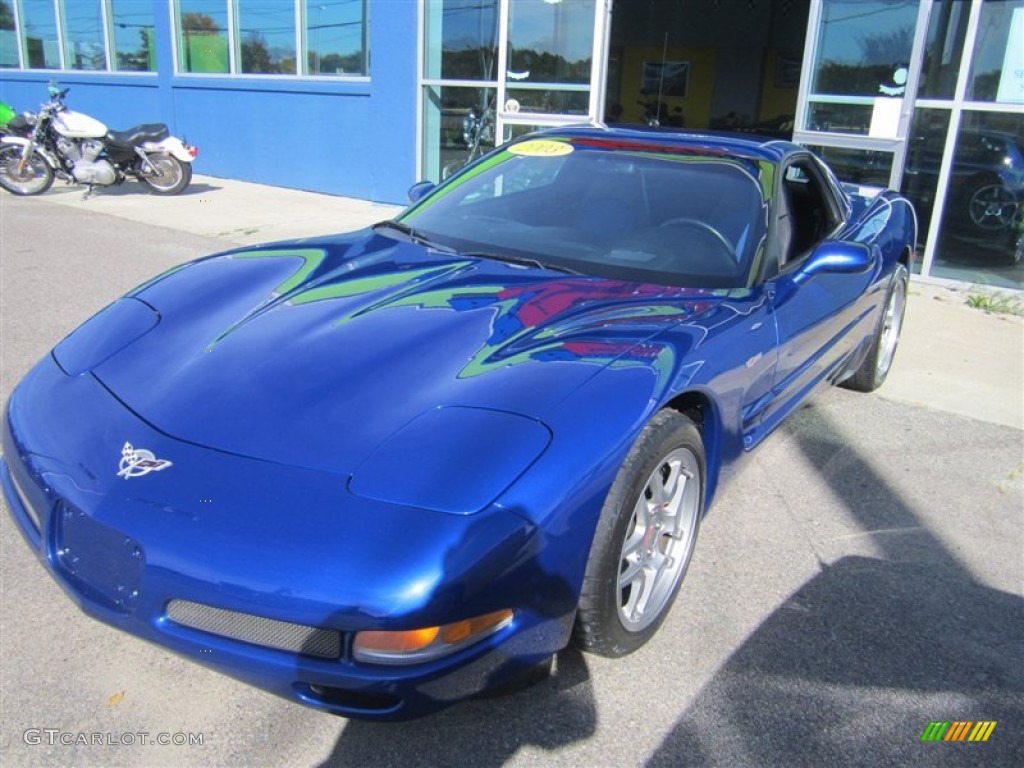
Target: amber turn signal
{"x": 426, "y": 643}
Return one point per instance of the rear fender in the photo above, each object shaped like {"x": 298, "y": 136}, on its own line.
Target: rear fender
{"x": 171, "y": 146}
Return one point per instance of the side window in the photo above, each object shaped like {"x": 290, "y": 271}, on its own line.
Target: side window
{"x": 805, "y": 212}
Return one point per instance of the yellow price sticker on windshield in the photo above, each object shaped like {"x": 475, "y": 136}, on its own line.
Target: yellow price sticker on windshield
{"x": 541, "y": 148}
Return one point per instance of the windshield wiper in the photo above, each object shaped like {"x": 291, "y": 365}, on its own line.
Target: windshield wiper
{"x": 411, "y": 234}
{"x": 419, "y": 238}
{"x": 524, "y": 261}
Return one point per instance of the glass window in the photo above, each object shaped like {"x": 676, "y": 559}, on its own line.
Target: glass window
{"x": 547, "y": 101}
{"x": 336, "y": 37}
{"x": 39, "y": 34}
{"x": 997, "y": 73}
{"x": 132, "y": 38}
{"x": 864, "y": 47}
{"x": 946, "y": 31}
{"x": 550, "y": 42}
{"x": 8, "y": 35}
{"x": 924, "y": 158}
{"x": 336, "y": 34}
{"x": 857, "y": 166}
{"x": 839, "y": 118}
{"x": 458, "y": 127}
{"x": 203, "y": 38}
{"x": 84, "y": 47}
{"x": 515, "y": 130}
{"x": 982, "y": 223}
{"x": 266, "y": 37}
{"x": 462, "y": 39}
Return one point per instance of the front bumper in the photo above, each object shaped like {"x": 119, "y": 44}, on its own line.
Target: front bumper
{"x": 270, "y": 547}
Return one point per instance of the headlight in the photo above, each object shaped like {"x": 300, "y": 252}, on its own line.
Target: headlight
{"x": 412, "y": 646}
{"x": 455, "y": 459}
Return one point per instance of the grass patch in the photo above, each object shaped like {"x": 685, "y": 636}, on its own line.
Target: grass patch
{"x": 997, "y": 303}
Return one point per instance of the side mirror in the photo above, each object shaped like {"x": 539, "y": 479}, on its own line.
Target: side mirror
{"x": 833, "y": 257}
{"x": 419, "y": 190}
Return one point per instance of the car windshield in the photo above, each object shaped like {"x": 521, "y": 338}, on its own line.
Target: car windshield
{"x": 654, "y": 213}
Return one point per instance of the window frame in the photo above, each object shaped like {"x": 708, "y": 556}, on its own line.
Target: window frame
{"x": 818, "y": 181}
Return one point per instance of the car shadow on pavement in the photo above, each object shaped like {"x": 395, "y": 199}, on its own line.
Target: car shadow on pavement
{"x": 485, "y": 732}
{"x": 521, "y": 705}
{"x": 851, "y": 669}
{"x": 855, "y": 664}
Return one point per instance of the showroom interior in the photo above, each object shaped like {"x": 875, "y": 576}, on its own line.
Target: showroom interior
{"x": 926, "y": 96}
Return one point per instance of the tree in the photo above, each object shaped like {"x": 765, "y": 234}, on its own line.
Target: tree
{"x": 199, "y": 23}
{"x": 6, "y": 16}
{"x": 256, "y": 55}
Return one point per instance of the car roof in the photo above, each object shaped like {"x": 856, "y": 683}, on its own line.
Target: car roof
{"x": 737, "y": 144}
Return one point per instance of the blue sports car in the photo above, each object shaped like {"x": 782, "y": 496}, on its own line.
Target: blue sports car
{"x": 380, "y": 472}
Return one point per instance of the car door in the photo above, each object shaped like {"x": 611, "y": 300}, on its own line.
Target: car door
{"x": 818, "y": 317}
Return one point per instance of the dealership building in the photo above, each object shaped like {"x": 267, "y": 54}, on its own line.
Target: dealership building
{"x": 364, "y": 97}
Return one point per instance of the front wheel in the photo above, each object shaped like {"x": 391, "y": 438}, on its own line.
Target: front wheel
{"x": 873, "y": 370}
{"x": 168, "y": 175}
{"x": 644, "y": 539}
{"x": 24, "y": 176}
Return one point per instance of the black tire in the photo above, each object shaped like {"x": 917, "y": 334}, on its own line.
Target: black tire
{"x": 991, "y": 205}
{"x": 171, "y": 177}
{"x": 636, "y": 560}
{"x": 875, "y": 366}
{"x": 33, "y": 177}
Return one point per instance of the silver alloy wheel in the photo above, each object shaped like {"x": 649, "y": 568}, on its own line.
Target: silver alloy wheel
{"x": 892, "y": 324}
{"x": 26, "y": 176}
{"x": 167, "y": 172}
{"x": 659, "y": 539}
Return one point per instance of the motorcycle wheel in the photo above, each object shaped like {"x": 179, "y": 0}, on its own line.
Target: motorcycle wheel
{"x": 169, "y": 176}
{"x": 31, "y": 177}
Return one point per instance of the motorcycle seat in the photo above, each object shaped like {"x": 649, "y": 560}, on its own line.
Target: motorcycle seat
{"x": 140, "y": 134}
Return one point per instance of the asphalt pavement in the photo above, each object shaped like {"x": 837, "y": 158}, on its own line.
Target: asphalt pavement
{"x": 862, "y": 576}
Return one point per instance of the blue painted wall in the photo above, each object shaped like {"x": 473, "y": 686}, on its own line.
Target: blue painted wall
{"x": 342, "y": 137}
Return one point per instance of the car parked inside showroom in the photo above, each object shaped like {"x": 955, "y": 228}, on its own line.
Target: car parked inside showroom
{"x": 379, "y": 472}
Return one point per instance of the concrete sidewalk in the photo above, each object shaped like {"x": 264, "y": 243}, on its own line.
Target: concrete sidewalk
{"x": 237, "y": 212}
{"x": 952, "y": 357}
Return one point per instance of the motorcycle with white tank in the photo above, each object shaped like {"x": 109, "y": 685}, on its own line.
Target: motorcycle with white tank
{"x": 72, "y": 146}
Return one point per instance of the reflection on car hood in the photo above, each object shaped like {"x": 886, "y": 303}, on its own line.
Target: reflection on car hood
{"x": 311, "y": 354}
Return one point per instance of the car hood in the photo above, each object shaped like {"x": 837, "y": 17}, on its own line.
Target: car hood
{"x": 314, "y": 353}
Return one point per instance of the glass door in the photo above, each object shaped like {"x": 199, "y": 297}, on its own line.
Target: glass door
{"x": 494, "y": 69}
{"x": 860, "y": 73}
{"x": 551, "y": 64}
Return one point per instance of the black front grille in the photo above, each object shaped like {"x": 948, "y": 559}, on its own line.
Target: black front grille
{"x": 270, "y": 633}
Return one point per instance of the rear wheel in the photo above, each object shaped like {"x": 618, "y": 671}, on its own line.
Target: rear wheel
{"x": 168, "y": 176}
{"x": 873, "y": 370}
{"x": 644, "y": 539}
{"x": 24, "y": 176}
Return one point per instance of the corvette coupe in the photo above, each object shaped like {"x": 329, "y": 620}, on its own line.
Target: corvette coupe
{"x": 380, "y": 472}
